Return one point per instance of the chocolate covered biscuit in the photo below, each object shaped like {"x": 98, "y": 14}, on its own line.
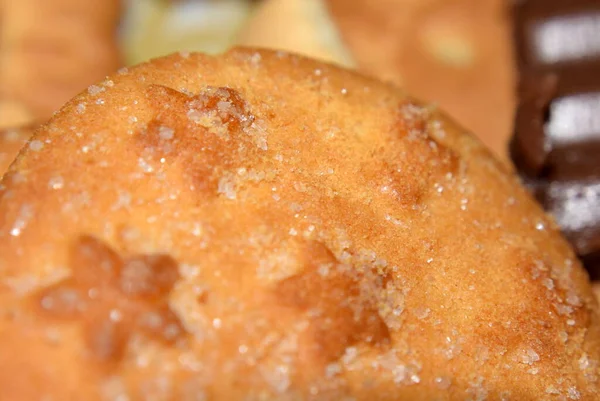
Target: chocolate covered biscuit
{"x": 556, "y": 142}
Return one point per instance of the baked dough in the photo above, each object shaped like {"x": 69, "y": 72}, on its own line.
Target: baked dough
{"x": 262, "y": 226}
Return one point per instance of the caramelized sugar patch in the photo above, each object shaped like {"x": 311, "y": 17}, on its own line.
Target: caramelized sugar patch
{"x": 114, "y": 297}
{"x": 340, "y": 310}
{"x": 412, "y": 170}
{"x": 205, "y": 133}
{"x": 221, "y": 107}
{"x": 413, "y": 124}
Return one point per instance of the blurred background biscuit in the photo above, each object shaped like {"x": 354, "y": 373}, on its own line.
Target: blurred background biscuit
{"x": 50, "y": 51}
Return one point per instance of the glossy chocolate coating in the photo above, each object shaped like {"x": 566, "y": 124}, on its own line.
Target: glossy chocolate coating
{"x": 556, "y": 142}
{"x": 575, "y": 206}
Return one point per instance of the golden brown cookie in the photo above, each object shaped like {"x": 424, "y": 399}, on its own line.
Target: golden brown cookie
{"x": 262, "y": 226}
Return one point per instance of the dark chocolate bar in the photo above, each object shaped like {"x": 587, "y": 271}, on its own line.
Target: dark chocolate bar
{"x": 556, "y": 141}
